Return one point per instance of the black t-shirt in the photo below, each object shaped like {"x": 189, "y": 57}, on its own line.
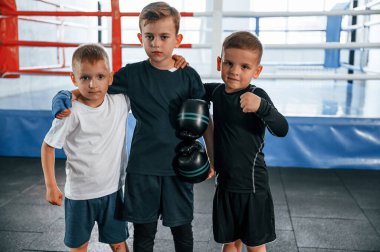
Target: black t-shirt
{"x": 156, "y": 96}
{"x": 239, "y": 138}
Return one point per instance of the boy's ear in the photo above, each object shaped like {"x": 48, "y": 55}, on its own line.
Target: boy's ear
{"x": 218, "y": 62}
{"x": 139, "y": 36}
{"x": 179, "y": 38}
{"x": 111, "y": 79}
{"x": 258, "y": 71}
{"x": 72, "y": 77}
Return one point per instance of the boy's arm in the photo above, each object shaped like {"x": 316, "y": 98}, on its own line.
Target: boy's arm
{"x": 261, "y": 104}
{"x": 53, "y": 195}
{"x": 120, "y": 78}
{"x": 179, "y": 61}
{"x": 61, "y": 103}
{"x": 208, "y": 136}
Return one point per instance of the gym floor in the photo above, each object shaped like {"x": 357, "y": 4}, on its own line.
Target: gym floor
{"x": 317, "y": 210}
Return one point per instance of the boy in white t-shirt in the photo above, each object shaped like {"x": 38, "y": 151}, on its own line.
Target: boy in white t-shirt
{"x": 94, "y": 141}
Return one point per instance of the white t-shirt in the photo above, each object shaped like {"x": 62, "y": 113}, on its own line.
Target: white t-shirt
{"x": 94, "y": 141}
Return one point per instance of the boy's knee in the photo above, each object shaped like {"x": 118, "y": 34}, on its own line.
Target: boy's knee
{"x": 261, "y": 248}
{"x": 183, "y": 237}
{"x": 182, "y": 231}
{"x": 81, "y": 248}
{"x": 119, "y": 247}
{"x": 143, "y": 238}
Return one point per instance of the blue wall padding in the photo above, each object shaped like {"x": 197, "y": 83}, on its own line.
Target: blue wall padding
{"x": 24, "y": 131}
{"x": 327, "y": 142}
{"x": 312, "y": 142}
{"x": 333, "y": 29}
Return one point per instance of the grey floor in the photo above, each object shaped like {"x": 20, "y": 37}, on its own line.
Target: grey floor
{"x": 316, "y": 211}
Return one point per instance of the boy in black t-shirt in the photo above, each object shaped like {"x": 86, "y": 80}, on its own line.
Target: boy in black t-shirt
{"x": 243, "y": 207}
{"x": 157, "y": 90}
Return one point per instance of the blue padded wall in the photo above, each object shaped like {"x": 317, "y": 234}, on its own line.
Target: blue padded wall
{"x": 315, "y": 142}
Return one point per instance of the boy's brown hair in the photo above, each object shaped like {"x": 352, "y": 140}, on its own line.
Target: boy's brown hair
{"x": 91, "y": 53}
{"x": 157, "y": 10}
{"x": 244, "y": 40}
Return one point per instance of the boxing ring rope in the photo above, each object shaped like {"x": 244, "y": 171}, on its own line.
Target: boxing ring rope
{"x": 117, "y": 44}
{"x": 314, "y": 104}
{"x": 331, "y": 45}
{"x": 230, "y": 14}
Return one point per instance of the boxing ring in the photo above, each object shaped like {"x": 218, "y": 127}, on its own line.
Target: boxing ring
{"x": 330, "y": 127}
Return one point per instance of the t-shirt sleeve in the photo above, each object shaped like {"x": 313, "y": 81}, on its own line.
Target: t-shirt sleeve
{"x": 119, "y": 83}
{"x": 209, "y": 88}
{"x": 122, "y": 101}
{"x": 197, "y": 88}
{"x": 58, "y": 133}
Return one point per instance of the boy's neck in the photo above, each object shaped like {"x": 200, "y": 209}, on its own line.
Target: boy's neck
{"x": 92, "y": 104}
{"x": 165, "y": 65}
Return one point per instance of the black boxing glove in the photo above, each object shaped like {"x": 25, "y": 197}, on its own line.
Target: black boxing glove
{"x": 193, "y": 119}
{"x": 191, "y": 163}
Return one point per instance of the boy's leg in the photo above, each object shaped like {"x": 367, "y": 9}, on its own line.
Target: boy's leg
{"x": 143, "y": 237}
{"x": 225, "y": 229}
{"x": 142, "y": 207}
{"x": 112, "y": 230}
{"x": 235, "y": 246}
{"x": 183, "y": 238}
{"x": 119, "y": 247}
{"x": 259, "y": 220}
{"x": 79, "y": 222}
{"x": 82, "y": 248}
{"x": 261, "y": 248}
{"x": 177, "y": 211}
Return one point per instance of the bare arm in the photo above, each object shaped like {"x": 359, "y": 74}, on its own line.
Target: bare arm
{"x": 179, "y": 61}
{"x": 53, "y": 195}
{"x": 208, "y": 136}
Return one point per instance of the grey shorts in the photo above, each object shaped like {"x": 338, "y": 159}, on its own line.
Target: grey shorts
{"x": 147, "y": 197}
{"x": 81, "y": 215}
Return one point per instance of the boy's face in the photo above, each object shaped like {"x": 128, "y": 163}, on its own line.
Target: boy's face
{"x": 238, "y": 67}
{"x": 92, "y": 81}
{"x": 159, "y": 40}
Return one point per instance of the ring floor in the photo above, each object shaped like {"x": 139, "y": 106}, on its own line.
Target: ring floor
{"x": 317, "y": 210}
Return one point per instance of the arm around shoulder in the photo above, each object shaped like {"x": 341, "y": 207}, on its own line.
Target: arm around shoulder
{"x": 119, "y": 83}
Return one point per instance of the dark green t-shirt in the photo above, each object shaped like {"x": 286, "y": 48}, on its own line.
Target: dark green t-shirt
{"x": 156, "y": 96}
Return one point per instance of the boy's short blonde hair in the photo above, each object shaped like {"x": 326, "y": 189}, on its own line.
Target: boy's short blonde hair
{"x": 156, "y": 11}
{"x": 91, "y": 53}
{"x": 244, "y": 40}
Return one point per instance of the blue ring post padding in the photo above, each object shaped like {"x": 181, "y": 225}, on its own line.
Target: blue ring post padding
{"x": 333, "y": 29}
{"x": 197, "y": 172}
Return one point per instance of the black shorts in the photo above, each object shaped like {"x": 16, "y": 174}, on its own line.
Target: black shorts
{"x": 245, "y": 216}
{"x": 147, "y": 197}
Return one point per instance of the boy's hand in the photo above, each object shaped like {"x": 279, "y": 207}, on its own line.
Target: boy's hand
{"x": 250, "y": 102}
{"x": 54, "y": 196}
{"x": 179, "y": 61}
{"x": 61, "y": 104}
{"x": 211, "y": 172}
{"x": 63, "y": 114}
